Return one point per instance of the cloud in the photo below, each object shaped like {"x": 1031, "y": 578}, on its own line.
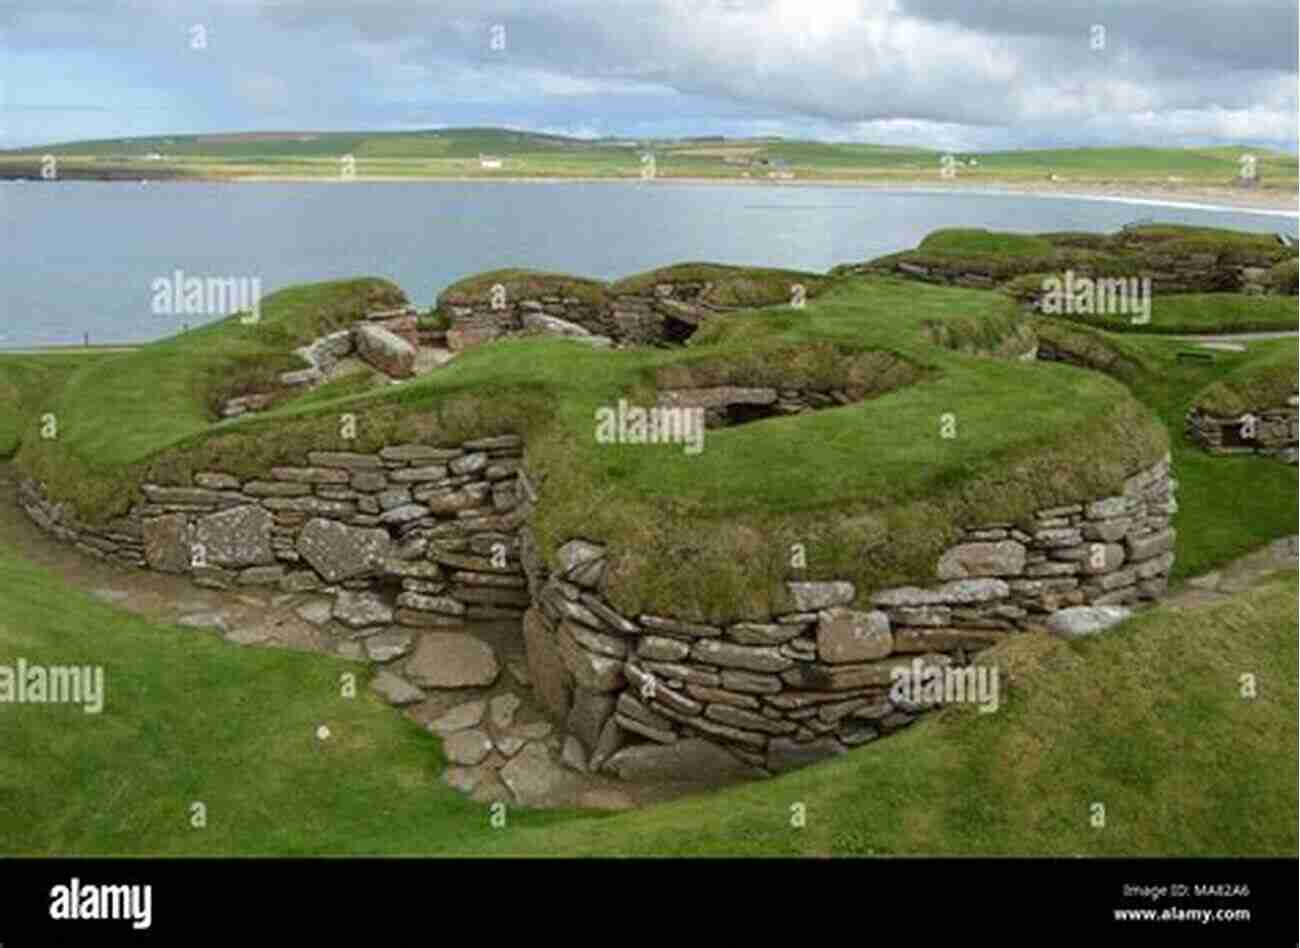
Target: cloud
{"x": 1002, "y": 72}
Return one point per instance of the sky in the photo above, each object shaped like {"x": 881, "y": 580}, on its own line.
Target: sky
{"x": 951, "y": 74}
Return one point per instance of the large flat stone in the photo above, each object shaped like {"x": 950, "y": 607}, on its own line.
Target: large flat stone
{"x": 452, "y": 660}
{"x": 552, "y": 681}
{"x": 361, "y": 609}
{"x": 460, "y": 718}
{"x": 754, "y": 658}
{"x": 395, "y": 689}
{"x": 596, "y": 672}
{"x": 1079, "y": 621}
{"x": 385, "y": 350}
{"x": 340, "y": 552}
{"x": 692, "y": 760}
{"x": 387, "y": 646}
{"x": 847, "y": 635}
{"x": 552, "y": 325}
{"x": 467, "y": 747}
{"x": 537, "y": 780}
{"x": 810, "y": 597}
{"x": 958, "y": 592}
{"x": 785, "y": 754}
{"x": 973, "y": 560}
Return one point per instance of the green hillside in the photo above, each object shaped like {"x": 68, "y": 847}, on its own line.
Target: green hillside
{"x": 454, "y": 152}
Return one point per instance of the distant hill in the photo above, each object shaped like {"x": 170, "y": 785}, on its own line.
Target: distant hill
{"x": 454, "y": 152}
{"x": 435, "y": 143}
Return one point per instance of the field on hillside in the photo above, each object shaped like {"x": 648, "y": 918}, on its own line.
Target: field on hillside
{"x": 455, "y": 153}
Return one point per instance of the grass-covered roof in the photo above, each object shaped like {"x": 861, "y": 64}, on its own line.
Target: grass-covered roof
{"x": 871, "y": 490}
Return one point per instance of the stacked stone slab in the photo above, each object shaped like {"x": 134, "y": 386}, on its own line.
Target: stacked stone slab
{"x": 439, "y": 523}
{"x": 403, "y": 321}
{"x": 416, "y": 539}
{"x": 367, "y": 339}
{"x": 387, "y": 340}
{"x": 1169, "y": 273}
{"x": 668, "y": 312}
{"x": 477, "y": 321}
{"x": 1275, "y": 431}
{"x": 321, "y": 356}
{"x": 810, "y": 683}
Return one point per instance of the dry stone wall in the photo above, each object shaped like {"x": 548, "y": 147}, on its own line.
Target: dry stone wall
{"x": 1270, "y": 431}
{"x": 430, "y": 534}
{"x": 808, "y": 684}
{"x": 387, "y": 339}
{"x": 1169, "y": 273}
{"x": 665, "y": 312}
{"x": 415, "y": 541}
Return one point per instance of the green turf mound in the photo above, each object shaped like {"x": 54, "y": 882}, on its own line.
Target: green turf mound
{"x": 966, "y": 242}
{"x": 726, "y": 286}
{"x": 1184, "y": 313}
{"x": 1283, "y": 277}
{"x": 1087, "y": 348}
{"x": 816, "y": 366}
{"x": 522, "y": 284}
{"x": 1177, "y": 258}
{"x": 1266, "y": 382}
{"x": 870, "y": 488}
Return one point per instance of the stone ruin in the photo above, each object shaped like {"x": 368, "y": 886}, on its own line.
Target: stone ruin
{"x": 1270, "y": 431}
{"x": 412, "y": 548}
{"x": 666, "y": 313}
{"x": 408, "y": 550}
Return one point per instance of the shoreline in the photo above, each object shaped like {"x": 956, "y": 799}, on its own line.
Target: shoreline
{"x": 1194, "y": 197}
{"x": 1199, "y": 198}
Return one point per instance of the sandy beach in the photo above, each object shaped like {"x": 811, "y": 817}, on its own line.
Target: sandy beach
{"x": 1191, "y": 196}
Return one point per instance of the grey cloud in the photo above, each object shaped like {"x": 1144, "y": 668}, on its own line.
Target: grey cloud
{"x": 1013, "y": 70}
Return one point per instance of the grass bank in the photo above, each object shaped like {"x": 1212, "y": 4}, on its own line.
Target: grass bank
{"x": 1148, "y": 720}
{"x": 1228, "y": 504}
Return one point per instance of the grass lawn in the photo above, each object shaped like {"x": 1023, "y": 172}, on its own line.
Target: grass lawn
{"x": 1146, "y": 720}
{"x": 1191, "y": 313}
{"x": 27, "y": 382}
{"x": 1228, "y": 504}
{"x": 1265, "y": 380}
